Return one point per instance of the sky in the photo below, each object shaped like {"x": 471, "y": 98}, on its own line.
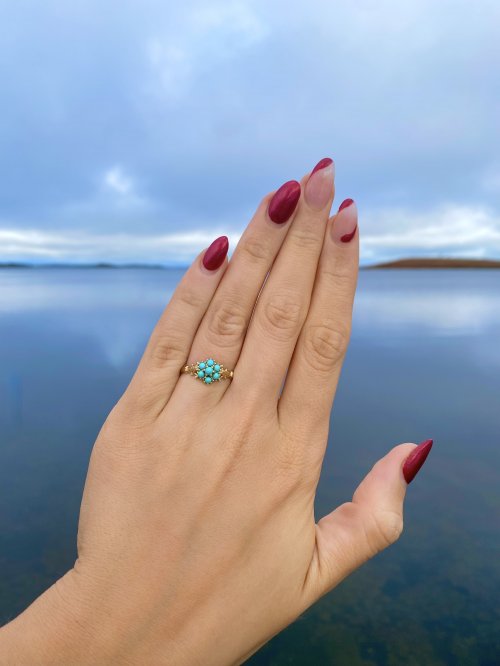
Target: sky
{"x": 140, "y": 130}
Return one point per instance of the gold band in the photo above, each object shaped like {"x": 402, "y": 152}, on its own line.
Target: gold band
{"x": 208, "y": 371}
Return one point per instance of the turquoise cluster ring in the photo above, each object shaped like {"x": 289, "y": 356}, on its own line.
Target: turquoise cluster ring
{"x": 208, "y": 371}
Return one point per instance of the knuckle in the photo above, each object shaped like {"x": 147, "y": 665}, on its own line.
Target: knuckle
{"x": 167, "y": 348}
{"x": 282, "y": 315}
{"x": 191, "y": 299}
{"x": 227, "y": 323}
{"x": 165, "y": 344}
{"x": 256, "y": 250}
{"x": 125, "y": 434}
{"x": 307, "y": 238}
{"x": 387, "y": 527}
{"x": 325, "y": 345}
{"x": 341, "y": 277}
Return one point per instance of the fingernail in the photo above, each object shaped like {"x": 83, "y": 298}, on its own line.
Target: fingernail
{"x": 216, "y": 253}
{"x": 319, "y": 187}
{"x": 284, "y": 202}
{"x": 416, "y": 459}
{"x": 346, "y": 222}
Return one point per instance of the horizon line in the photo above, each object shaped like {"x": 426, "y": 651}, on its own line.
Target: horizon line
{"x": 402, "y": 262}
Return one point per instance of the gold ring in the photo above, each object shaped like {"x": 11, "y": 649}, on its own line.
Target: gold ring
{"x": 208, "y": 371}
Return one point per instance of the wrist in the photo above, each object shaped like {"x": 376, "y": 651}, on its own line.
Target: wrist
{"x": 53, "y": 630}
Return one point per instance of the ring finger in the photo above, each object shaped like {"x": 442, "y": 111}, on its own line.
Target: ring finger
{"x": 222, "y": 330}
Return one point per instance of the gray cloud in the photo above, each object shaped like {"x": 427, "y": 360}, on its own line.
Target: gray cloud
{"x": 145, "y": 118}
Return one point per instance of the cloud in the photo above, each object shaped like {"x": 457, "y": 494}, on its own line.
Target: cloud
{"x": 82, "y": 247}
{"x": 183, "y": 116}
{"x": 207, "y": 35}
{"x": 385, "y": 234}
{"x": 117, "y": 181}
{"x": 448, "y": 230}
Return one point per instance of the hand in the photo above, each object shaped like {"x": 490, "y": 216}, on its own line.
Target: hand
{"x": 197, "y": 539}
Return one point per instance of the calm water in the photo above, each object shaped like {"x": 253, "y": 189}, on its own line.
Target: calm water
{"x": 424, "y": 362}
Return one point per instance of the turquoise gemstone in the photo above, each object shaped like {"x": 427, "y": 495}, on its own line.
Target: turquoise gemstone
{"x": 209, "y": 371}
{"x": 208, "y": 380}
{"x": 216, "y": 375}
{"x": 201, "y": 366}
{"x": 217, "y": 367}
{"x": 210, "y": 361}
{"x": 201, "y": 373}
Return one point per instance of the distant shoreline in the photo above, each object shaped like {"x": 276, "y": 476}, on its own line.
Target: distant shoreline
{"x": 421, "y": 262}
{"x": 410, "y": 263}
{"x": 16, "y": 264}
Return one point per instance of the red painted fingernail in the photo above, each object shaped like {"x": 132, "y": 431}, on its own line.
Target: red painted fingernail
{"x": 345, "y": 204}
{"x": 345, "y": 224}
{"x": 319, "y": 187}
{"x": 284, "y": 202}
{"x": 416, "y": 459}
{"x": 347, "y": 238}
{"x": 216, "y": 253}
{"x": 326, "y": 161}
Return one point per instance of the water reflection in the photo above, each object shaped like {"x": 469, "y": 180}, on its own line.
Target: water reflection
{"x": 444, "y": 303}
{"x": 423, "y": 363}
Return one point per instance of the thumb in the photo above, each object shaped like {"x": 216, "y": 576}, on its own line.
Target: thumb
{"x": 358, "y": 530}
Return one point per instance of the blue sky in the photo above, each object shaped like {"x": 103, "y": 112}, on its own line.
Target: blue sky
{"x": 141, "y": 130}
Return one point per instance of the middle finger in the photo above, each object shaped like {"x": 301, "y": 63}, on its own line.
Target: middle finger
{"x": 283, "y": 304}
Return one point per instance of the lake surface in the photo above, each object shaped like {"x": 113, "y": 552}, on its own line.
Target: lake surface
{"x": 424, "y": 361}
